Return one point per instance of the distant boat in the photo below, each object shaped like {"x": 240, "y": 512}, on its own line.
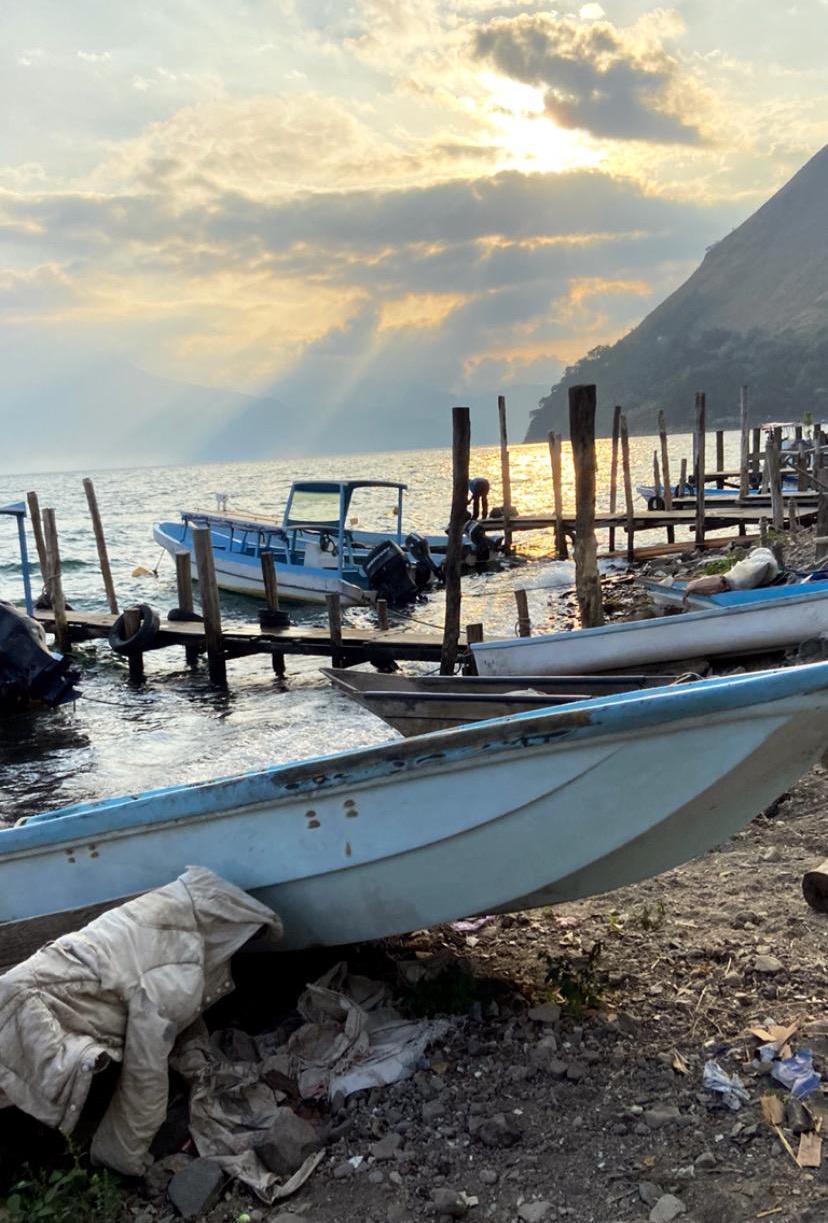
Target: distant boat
{"x": 419, "y": 704}
{"x": 751, "y": 626}
{"x": 500, "y": 816}
{"x": 318, "y": 549}
{"x": 675, "y": 594}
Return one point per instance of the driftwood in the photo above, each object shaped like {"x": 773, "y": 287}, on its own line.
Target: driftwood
{"x": 815, "y": 887}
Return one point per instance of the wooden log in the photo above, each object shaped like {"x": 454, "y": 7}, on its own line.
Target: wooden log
{"x": 815, "y": 887}
{"x": 505, "y": 473}
{"x": 665, "y": 472}
{"x": 628, "y": 494}
{"x": 524, "y": 623}
{"x": 382, "y": 614}
{"x": 755, "y": 451}
{"x": 37, "y": 531}
{"x": 54, "y": 582}
{"x": 682, "y": 484}
{"x": 460, "y": 445}
{"x": 720, "y": 457}
{"x": 613, "y": 495}
{"x": 744, "y": 448}
{"x": 334, "y": 605}
{"x": 271, "y": 584}
{"x": 793, "y": 515}
{"x": 184, "y": 586}
{"x": 135, "y": 661}
{"x": 656, "y": 477}
{"x": 773, "y": 464}
{"x": 700, "y": 465}
{"x": 582, "y": 438}
{"x": 210, "y": 605}
{"x": 555, "y": 447}
{"x": 821, "y": 543}
{"x": 474, "y": 633}
{"x": 100, "y": 544}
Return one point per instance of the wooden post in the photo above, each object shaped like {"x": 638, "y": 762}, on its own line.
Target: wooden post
{"x": 793, "y": 515}
{"x": 820, "y": 548}
{"x": 334, "y": 603}
{"x": 628, "y": 497}
{"x": 37, "y": 531}
{"x": 561, "y": 549}
{"x": 665, "y": 473}
{"x": 656, "y": 477}
{"x": 271, "y": 584}
{"x": 682, "y": 484}
{"x": 505, "y": 474}
{"x": 744, "y": 451}
{"x": 613, "y": 496}
{"x": 100, "y": 544}
{"x": 460, "y": 444}
{"x": 382, "y": 614}
{"x": 474, "y": 633}
{"x": 755, "y": 454}
{"x": 524, "y": 623}
{"x": 184, "y": 586}
{"x": 700, "y": 459}
{"x": 210, "y": 605}
{"x": 582, "y": 437}
{"x": 720, "y": 457}
{"x": 135, "y": 661}
{"x": 772, "y": 461}
{"x": 54, "y": 584}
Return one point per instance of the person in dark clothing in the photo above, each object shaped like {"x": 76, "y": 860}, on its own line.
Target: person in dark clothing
{"x": 479, "y": 497}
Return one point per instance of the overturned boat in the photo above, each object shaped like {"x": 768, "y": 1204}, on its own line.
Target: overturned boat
{"x": 499, "y": 816}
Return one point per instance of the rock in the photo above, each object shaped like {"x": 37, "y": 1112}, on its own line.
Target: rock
{"x": 660, "y": 1117}
{"x": 448, "y": 1202}
{"x": 534, "y": 1212}
{"x": 575, "y": 1071}
{"x": 706, "y": 1160}
{"x": 288, "y": 1143}
{"x": 767, "y": 964}
{"x": 557, "y": 1068}
{"x": 287, "y": 1216}
{"x": 547, "y": 1012}
{"x": 488, "y": 1176}
{"x": 387, "y": 1147}
{"x": 159, "y": 1175}
{"x": 502, "y": 1130}
{"x": 195, "y": 1189}
{"x": 667, "y": 1208}
{"x": 343, "y": 1170}
{"x": 432, "y": 1109}
{"x": 649, "y": 1192}
{"x": 797, "y": 1117}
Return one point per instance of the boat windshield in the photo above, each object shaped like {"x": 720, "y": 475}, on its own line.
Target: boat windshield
{"x": 317, "y": 507}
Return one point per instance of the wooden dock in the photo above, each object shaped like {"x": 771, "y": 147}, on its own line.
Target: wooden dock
{"x": 715, "y": 517}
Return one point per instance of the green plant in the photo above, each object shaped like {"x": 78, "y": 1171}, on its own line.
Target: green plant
{"x": 69, "y": 1195}
{"x": 722, "y": 563}
{"x": 651, "y": 919}
{"x": 574, "y": 983}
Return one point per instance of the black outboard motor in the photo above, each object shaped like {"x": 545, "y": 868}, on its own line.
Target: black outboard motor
{"x": 425, "y": 566}
{"x": 481, "y": 545}
{"x": 28, "y": 671}
{"x": 387, "y": 569}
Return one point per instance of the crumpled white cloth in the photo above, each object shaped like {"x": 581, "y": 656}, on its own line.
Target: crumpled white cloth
{"x": 121, "y": 989}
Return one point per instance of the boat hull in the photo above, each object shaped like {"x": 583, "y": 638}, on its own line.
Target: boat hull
{"x": 525, "y": 810}
{"x": 753, "y": 627}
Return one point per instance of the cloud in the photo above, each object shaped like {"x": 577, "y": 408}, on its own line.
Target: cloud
{"x": 598, "y": 78}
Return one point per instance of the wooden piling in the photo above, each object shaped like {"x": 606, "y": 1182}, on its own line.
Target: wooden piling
{"x": 505, "y": 473}
{"x": 334, "y": 605}
{"x": 474, "y": 633}
{"x": 382, "y": 614}
{"x": 271, "y": 584}
{"x": 665, "y": 472}
{"x": 100, "y": 544}
{"x": 135, "y": 659}
{"x": 555, "y": 447}
{"x": 628, "y": 494}
{"x": 656, "y": 477}
{"x": 700, "y": 465}
{"x": 682, "y": 484}
{"x": 460, "y": 445}
{"x": 793, "y": 515}
{"x": 613, "y": 495}
{"x": 54, "y": 582}
{"x": 744, "y": 450}
{"x": 582, "y": 438}
{"x": 821, "y": 543}
{"x": 720, "y": 457}
{"x": 773, "y": 464}
{"x": 524, "y": 623}
{"x": 755, "y": 452}
{"x": 210, "y": 606}
{"x": 37, "y": 531}
{"x": 184, "y": 586}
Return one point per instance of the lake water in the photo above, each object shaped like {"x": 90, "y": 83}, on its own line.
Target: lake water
{"x": 175, "y": 728}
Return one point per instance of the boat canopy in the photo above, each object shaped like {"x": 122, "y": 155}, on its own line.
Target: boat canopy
{"x": 324, "y": 504}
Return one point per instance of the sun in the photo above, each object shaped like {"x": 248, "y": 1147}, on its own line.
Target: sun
{"x": 529, "y": 140}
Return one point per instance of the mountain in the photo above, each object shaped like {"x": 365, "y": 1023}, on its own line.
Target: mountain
{"x": 755, "y": 312}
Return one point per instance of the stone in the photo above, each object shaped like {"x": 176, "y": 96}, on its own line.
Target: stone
{"x": 195, "y": 1189}
{"x": 575, "y": 1071}
{"x": 432, "y": 1109}
{"x": 288, "y": 1143}
{"x": 159, "y": 1174}
{"x": 501, "y": 1130}
{"x": 706, "y": 1160}
{"x": 534, "y": 1212}
{"x": 557, "y": 1068}
{"x": 488, "y": 1176}
{"x": 768, "y": 965}
{"x": 448, "y": 1202}
{"x": 649, "y": 1192}
{"x": 660, "y": 1117}
{"x": 667, "y": 1208}
{"x": 387, "y": 1147}
{"x": 547, "y": 1012}
{"x": 343, "y": 1170}
{"x": 287, "y": 1216}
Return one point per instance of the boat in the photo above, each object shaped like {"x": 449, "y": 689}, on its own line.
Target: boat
{"x": 499, "y": 816}
{"x": 319, "y": 548}
{"x": 728, "y": 494}
{"x": 751, "y": 626}
{"x": 675, "y": 595}
{"x": 418, "y": 704}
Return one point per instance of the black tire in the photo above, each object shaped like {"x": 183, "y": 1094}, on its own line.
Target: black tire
{"x": 140, "y": 640}
{"x": 180, "y": 616}
{"x": 655, "y": 503}
{"x": 269, "y": 618}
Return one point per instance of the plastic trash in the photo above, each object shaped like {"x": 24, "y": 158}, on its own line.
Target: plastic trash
{"x": 728, "y": 1086}
{"x": 797, "y": 1073}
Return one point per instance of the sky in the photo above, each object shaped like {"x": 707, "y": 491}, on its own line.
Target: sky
{"x": 306, "y": 197}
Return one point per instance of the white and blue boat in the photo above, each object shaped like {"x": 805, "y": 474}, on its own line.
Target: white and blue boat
{"x": 503, "y": 815}
{"x": 675, "y": 594}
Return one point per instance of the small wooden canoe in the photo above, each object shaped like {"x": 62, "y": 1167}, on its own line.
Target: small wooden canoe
{"x": 418, "y": 704}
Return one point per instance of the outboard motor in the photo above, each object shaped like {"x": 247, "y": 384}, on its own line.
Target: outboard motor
{"x": 425, "y": 567}
{"x": 28, "y": 671}
{"x": 386, "y": 568}
{"x": 481, "y": 545}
